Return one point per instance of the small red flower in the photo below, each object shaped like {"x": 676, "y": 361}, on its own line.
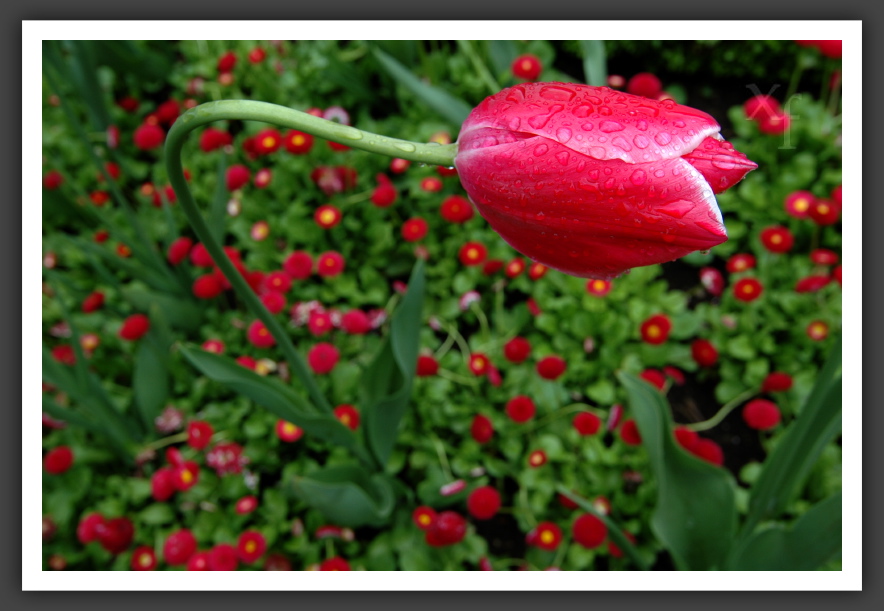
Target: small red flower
{"x": 709, "y": 451}
{"x": 186, "y": 475}
{"x": 93, "y": 302}
{"x": 179, "y": 547}
{"x": 536, "y": 459}
{"x": 514, "y": 268}
{"x": 200, "y": 257}
{"x": 288, "y": 432}
{"x": 319, "y": 323}
{"x": 327, "y": 216}
{"x": 533, "y": 307}
{"x": 551, "y": 367}
{"x": 334, "y": 564}
{"x": 799, "y": 203}
{"x": 58, "y": 460}
{"x": 817, "y": 330}
{"x": 115, "y": 535}
{"x": 86, "y": 529}
{"x": 250, "y": 546}
{"x": 777, "y": 239}
{"x": 162, "y": 484}
{"x": 134, "y": 327}
{"x": 521, "y": 409}
{"x": 423, "y": 517}
{"x": 527, "y": 67}
{"x": 536, "y": 271}
{"x": 52, "y": 180}
{"x": 215, "y": 346}
{"x": 199, "y": 562}
{"x": 227, "y": 62}
{"x": 212, "y": 139}
{"x": 479, "y": 364}
{"x": 414, "y": 229}
{"x": 384, "y": 194}
{"x": 812, "y": 284}
{"x": 267, "y": 141}
{"x": 517, "y": 350}
{"x": 348, "y": 416}
{"x": 655, "y": 330}
{"x": 473, "y": 253}
{"x": 586, "y": 423}
{"x": 589, "y": 531}
{"x": 64, "y": 354}
{"x": 655, "y": 377}
{"x": 207, "y": 286}
{"x": 199, "y": 434}
{"x": 774, "y": 124}
{"x": 712, "y": 280}
{"x": 740, "y": 263}
{"x": 259, "y": 336}
{"x": 246, "y": 505}
{"x": 629, "y": 433}
{"x": 274, "y": 301}
{"x": 545, "y": 535}
{"x": 686, "y": 438}
{"x": 776, "y": 381}
{"x": 148, "y": 136}
{"x": 427, "y": 365}
{"x": 355, "y": 322}
{"x": 298, "y": 143}
{"x": 645, "y": 84}
{"x": 824, "y": 212}
{"x": 761, "y": 414}
{"x": 456, "y": 209}
{"x": 322, "y": 358}
{"x": 598, "y": 288}
{"x": 483, "y": 503}
{"x": 226, "y": 458}
{"x": 329, "y": 264}
{"x": 223, "y": 557}
{"x": 823, "y": 256}
{"x": 704, "y": 353}
{"x": 298, "y": 265}
{"x": 748, "y": 289}
{"x": 760, "y": 106}
{"x": 482, "y": 430}
{"x": 448, "y": 528}
{"x": 143, "y": 559}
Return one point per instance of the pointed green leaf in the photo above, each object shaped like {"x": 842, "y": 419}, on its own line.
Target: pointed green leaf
{"x": 810, "y": 542}
{"x": 273, "y": 395}
{"x": 387, "y": 382}
{"x": 786, "y": 469}
{"x": 695, "y": 517}
{"x": 502, "y": 54}
{"x": 217, "y": 220}
{"x": 347, "y": 495}
{"x": 150, "y": 378}
{"x": 594, "y": 68}
{"x": 452, "y": 108}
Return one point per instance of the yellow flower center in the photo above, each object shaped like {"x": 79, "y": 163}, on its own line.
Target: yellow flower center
{"x": 776, "y": 238}
{"x": 526, "y": 65}
{"x": 424, "y": 519}
{"x": 822, "y": 209}
{"x": 250, "y": 547}
{"x": 327, "y": 217}
{"x": 298, "y": 140}
{"x": 269, "y": 142}
{"x": 186, "y": 476}
{"x": 801, "y": 205}
{"x": 654, "y": 331}
{"x": 547, "y": 537}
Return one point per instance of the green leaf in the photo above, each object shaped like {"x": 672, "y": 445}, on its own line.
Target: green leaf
{"x": 811, "y": 541}
{"x": 452, "y": 108}
{"x": 275, "y": 396}
{"x": 387, "y": 382}
{"x": 786, "y": 469}
{"x": 594, "y": 62}
{"x": 347, "y": 495}
{"x": 217, "y": 220}
{"x": 156, "y": 513}
{"x": 150, "y": 379}
{"x": 502, "y": 54}
{"x": 695, "y": 517}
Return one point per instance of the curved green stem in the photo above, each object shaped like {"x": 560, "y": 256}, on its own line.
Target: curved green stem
{"x": 248, "y": 110}
{"x": 722, "y": 413}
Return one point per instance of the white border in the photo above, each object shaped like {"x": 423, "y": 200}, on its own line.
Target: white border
{"x": 849, "y": 579}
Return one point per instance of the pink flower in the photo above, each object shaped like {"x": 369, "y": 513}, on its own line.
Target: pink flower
{"x": 322, "y": 358}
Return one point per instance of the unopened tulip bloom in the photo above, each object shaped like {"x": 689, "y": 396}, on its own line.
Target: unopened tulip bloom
{"x": 593, "y": 182}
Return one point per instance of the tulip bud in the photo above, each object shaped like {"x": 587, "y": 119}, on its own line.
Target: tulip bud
{"x": 593, "y": 182}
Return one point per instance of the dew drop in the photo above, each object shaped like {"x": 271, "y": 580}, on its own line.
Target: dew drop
{"x": 638, "y": 177}
{"x": 597, "y": 152}
{"x": 587, "y": 127}
{"x": 641, "y": 141}
{"x": 607, "y": 171}
{"x": 659, "y": 173}
{"x": 539, "y": 216}
{"x": 594, "y": 175}
{"x": 594, "y": 99}
{"x": 563, "y": 157}
{"x": 714, "y": 229}
{"x": 582, "y": 111}
{"x": 723, "y": 162}
{"x": 677, "y": 209}
{"x": 610, "y": 126}
{"x": 563, "y": 134}
{"x": 514, "y": 123}
{"x": 621, "y": 143}
{"x": 641, "y": 124}
{"x": 351, "y": 133}
{"x": 605, "y": 111}
{"x": 678, "y": 123}
{"x": 541, "y": 149}
{"x": 581, "y": 165}
{"x": 663, "y": 138}
{"x": 539, "y": 121}
{"x": 552, "y": 92}
{"x": 609, "y": 184}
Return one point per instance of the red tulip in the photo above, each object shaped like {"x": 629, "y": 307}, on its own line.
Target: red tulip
{"x": 593, "y": 182}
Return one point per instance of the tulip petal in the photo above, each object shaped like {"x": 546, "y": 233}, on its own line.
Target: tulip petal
{"x": 720, "y": 164}
{"x": 584, "y": 216}
{"x": 596, "y": 121}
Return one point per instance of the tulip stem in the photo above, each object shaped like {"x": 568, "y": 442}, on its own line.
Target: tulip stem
{"x": 430, "y": 153}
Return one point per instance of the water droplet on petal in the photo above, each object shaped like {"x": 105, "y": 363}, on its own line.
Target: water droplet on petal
{"x": 514, "y": 123}
{"x": 563, "y": 134}
{"x": 605, "y": 111}
{"x": 677, "y": 209}
{"x": 678, "y": 123}
{"x": 659, "y": 173}
{"x": 620, "y": 142}
{"x": 610, "y": 126}
{"x": 539, "y": 121}
{"x": 663, "y": 138}
{"x": 597, "y": 152}
{"x": 586, "y": 127}
{"x": 723, "y": 162}
{"x": 541, "y": 149}
{"x": 563, "y": 157}
{"x": 638, "y": 177}
{"x": 582, "y": 111}
{"x": 641, "y": 124}
{"x": 595, "y": 100}
{"x": 641, "y": 142}
{"x": 552, "y": 92}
